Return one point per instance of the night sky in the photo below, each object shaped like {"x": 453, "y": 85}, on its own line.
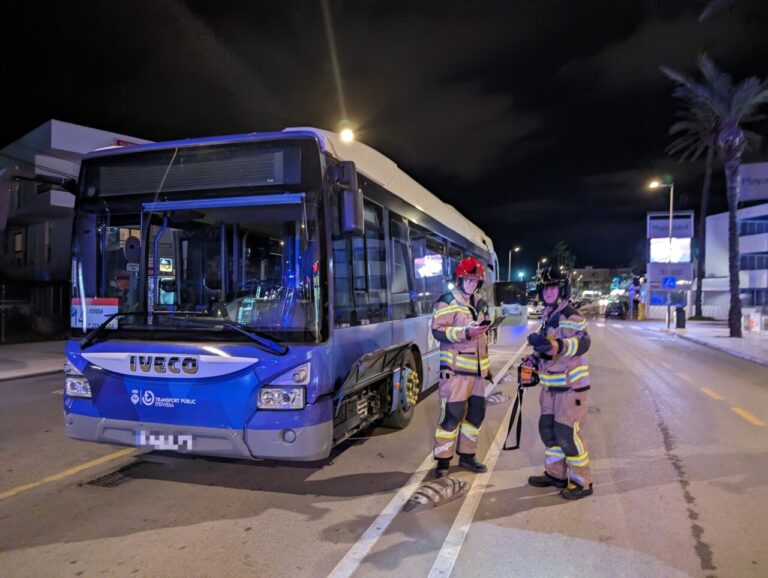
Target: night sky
{"x": 541, "y": 120}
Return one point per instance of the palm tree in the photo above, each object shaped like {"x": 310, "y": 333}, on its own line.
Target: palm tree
{"x": 731, "y": 104}
{"x": 697, "y": 130}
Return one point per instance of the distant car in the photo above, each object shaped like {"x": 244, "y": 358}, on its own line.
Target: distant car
{"x": 535, "y": 310}
{"x": 616, "y": 310}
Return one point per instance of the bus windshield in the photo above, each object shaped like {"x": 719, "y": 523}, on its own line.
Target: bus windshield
{"x": 252, "y": 261}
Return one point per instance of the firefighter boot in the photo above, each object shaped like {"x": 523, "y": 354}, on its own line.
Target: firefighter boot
{"x": 575, "y": 492}
{"x": 545, "y": 480}
{"x": 442, "y": 467}
{"x": 468, "y": 462}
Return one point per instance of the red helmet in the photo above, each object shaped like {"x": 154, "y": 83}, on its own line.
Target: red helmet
{"x": 470, "y": 267}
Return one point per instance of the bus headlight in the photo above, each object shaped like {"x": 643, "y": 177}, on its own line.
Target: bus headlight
{"x": 77, "y": 386}
{"x": 281, "y": 398}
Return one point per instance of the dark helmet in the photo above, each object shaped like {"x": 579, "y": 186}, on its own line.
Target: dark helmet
{"x": 471, "y": 268}
{"x": 554, "y": 277}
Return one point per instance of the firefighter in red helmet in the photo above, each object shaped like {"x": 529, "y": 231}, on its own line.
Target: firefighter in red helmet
{"x": 464, "y": 366}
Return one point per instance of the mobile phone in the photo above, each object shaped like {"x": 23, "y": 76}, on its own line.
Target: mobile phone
{"x": 484, "y": 322}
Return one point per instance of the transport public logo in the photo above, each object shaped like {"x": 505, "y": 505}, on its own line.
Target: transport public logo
{"x": 135, "y": 397}
{"x": 148, "y": 398}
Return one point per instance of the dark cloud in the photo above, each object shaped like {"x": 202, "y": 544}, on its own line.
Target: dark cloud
{"x": 539, "y": 120}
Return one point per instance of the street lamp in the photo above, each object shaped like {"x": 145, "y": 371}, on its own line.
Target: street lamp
{"x": 671, "y": 185}
{"x": 520, "y": 275}
{"x": 538, "y": 264}
{"x": 516, "y": 249}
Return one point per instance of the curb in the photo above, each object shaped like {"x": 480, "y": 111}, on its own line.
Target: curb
{"x": 35, "y": 374}
{"x": 748, "y": 357}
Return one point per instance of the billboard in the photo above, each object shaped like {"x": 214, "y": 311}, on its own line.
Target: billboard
{"x": 658, "y": 224}
{"x": 680, "y": 249}
{"x": 753, "y": 182}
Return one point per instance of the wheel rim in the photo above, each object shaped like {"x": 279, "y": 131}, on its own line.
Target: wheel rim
{"x": 412, "y": 388}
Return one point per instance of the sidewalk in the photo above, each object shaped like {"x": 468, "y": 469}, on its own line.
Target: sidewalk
{"x": 31, "y": 359}
{"x": 714, "y": 334}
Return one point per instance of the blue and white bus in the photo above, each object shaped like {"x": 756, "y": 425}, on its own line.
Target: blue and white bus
{"x": 255, "y": 296}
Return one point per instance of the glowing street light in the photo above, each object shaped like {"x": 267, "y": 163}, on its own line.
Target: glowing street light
{"x": 516, "y": 249}
{"x": 520, "y": 275}
{"x": 347, "y": 135}
{"x": 654, "y": 184}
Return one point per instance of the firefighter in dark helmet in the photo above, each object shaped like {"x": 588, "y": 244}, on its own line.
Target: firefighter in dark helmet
{"x": 559, "y": 348}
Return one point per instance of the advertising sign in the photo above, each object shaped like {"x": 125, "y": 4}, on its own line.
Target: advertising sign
{"x": 658, "y": 225}
{"x": 97, "y": 309}
{"x": 753, "y": 182}
{"x": 660, "y": 250}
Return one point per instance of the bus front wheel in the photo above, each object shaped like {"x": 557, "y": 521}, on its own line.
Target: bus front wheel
{"x": 400, "y": 418}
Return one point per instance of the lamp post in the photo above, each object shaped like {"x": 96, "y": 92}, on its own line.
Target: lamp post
{"x": 538, "y": 264}
{"x": 671, "y": 185}
{"x": 516, "y": 249}
{"x": 520, "y": 275}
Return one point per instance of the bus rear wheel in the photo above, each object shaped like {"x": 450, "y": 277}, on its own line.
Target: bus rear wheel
{"x": 400, "y": 418}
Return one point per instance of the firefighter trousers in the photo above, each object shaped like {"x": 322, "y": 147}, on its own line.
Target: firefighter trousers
{"x": 462, "y": 411}
{"x": 563, "y": 414}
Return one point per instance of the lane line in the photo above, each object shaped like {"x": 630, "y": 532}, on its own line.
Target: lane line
{"x": 453, "y": 543}
{"x": 617, "y": 325}
{"x": 637, "y": 327}
{"x": 598, "y": 324}
{"x": 749, "y": 417}
{"x": 58, "y": 392}
{"x": 67, "y": 473}
{"x": 713, "y": 394}
{"x": 356, "y": 555}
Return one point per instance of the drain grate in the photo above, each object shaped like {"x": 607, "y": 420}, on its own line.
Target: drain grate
{"x": 120, "y": 477}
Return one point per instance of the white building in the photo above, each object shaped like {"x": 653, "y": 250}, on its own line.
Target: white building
{"x": 753, "y": 250}
{"x": 36, "y": 214}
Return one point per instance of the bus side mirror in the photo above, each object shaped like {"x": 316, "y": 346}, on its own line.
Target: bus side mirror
{"x": 344, "y": 176}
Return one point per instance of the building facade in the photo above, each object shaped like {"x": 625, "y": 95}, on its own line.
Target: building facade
{"x": 36, "y": 210}
{"x": 753, "y": 262}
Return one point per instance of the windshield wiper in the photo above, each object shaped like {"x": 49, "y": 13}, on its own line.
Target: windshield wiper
{"x": 91, "y": 336}
{"x": 258, "y": 337}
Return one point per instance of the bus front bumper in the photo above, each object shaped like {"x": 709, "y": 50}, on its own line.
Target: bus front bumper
{"x": 306, "y": 443}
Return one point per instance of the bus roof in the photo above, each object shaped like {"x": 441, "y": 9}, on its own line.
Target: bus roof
{"x": 368, "y": 162}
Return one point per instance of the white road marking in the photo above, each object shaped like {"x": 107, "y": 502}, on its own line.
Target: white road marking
{"x": 617, "y": 325}
{"x": 637, "y": 327}
{"x": 356, "y": 555}
{"x": 448, "y": 554}
{"x": 58, "y": 392}
{"x": 599, "y": 324}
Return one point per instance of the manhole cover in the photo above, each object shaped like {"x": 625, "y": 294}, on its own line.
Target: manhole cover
{"x": 120, "y": 477}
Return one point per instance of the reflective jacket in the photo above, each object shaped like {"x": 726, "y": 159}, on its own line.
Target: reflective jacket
{"x": 568, "y": 368}
{"x": 453, "y": 313}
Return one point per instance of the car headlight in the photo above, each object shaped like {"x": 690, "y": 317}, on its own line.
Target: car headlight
{"x": 77, "y": 386}
{"x": 281, "y": 398}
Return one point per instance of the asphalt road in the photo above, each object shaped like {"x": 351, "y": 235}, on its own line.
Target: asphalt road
{"x": 676, "y": 435}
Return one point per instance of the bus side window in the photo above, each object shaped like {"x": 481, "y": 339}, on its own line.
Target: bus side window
{"x": 428, "y": 264}
{"x": 403, "y": 293}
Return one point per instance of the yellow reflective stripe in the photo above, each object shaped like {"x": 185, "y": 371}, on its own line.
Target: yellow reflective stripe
{"x": 446, "y": 356}
{"x": 579, "y": 372}
{"x": 454, "y": 334}
{"x": 571, "y": 344}
{"x": 469, "y": 429}
{"x": 485, "y": 363}
{"x": 552, "y": 378}
{"x": 445, "y": 434}
{"x": 580, "y": 460}
{"x": 554, "y": 451}
{"x": 466, "y": 362}
{"x": 574, "y": 325}
{"x": 577, "y": 438}
{"x": 446, "y": 310}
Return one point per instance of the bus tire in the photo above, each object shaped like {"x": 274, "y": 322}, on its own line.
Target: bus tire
{"x": 401, "y": 418}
